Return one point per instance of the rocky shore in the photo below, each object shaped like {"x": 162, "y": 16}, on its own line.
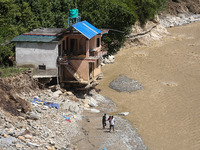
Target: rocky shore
{"x": 179, "y": 20}
{"x": 61, "y": 119}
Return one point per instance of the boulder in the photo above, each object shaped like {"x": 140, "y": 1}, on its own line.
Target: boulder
{"x": 74, "y": 108}
{"x": 7, "y": 141}
{"x": 71, "y": 106}
{"x": 65, "y": 105}
{"x": 92, "y": 102}
{"x": 95, "y": 110}
{"x": 56, "y": 94}
{"x": 33, "y": 116}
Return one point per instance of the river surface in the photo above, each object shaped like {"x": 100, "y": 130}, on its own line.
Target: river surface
{"x": 167, "y": 112}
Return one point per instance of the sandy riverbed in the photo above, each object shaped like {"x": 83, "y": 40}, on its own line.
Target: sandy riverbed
{"x": 167, "y": 111}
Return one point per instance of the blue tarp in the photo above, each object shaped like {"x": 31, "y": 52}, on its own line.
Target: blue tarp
{"x": 49, "y": 104}
{"x": 86, "y": 29}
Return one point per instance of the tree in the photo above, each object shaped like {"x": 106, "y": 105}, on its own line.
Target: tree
{"x": 113, "y": 14}
{"x": 147, "y": 9}
{"x": 16, "y": 17}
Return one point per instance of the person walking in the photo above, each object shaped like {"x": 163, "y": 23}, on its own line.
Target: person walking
{"x": 112, "y": 124}
{"x": 104, "y": 121}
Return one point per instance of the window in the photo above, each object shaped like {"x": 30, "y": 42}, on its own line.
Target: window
{"x": 98, "y": 42}
{"x": 42, "y": 67}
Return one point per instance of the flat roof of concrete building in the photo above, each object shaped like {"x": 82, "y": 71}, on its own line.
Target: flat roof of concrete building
{"x": 45, "y": 31}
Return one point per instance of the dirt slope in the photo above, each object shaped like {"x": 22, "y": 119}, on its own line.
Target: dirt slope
{"x": 179, "y": 6}
{"x": 9, "y": 89}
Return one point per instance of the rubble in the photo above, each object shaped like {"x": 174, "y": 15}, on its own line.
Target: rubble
{"x": 47, "y": 127}
{"x": 108, "y": 60}
{"x": 181, "y": 19}
{"x": 125, "y": 84}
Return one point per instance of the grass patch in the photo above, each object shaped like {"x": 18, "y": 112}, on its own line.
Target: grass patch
{"x": 11, "y": 71}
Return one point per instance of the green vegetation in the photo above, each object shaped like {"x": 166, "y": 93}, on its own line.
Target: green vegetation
{"x": 19, "y": 16}
{"x": 10, "y": 71}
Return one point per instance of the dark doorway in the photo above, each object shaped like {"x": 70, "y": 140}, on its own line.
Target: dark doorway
{"x": 73, "y": 46}
{"x": 59, "y": 50}
{"x": 66, "y": 48}
{"x": 98, "y": 42}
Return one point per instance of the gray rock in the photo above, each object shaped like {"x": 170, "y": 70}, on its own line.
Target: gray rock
{"x": 7, "y": 141}
{"x": 33, "y": 144}
{"x": 94, "y": 110}
{"x": 20, "y": 132}
{"x": 19, "y": 124}
{"x": 46, "y": 134}
{"x": 101, "y": 98}
{"x": 65, "y": 105}
{"x": 8, "y": 125}
{"x": 73, "y": 108}
{"x": 11, "y": 131}
{"x": 92, "y": 102}
{"x": 57, "y": 94}
{"x": 2, "y": 131}
{"x": 34, "y": 116}
{"x": 125, "y": 84}
{"x": 77, "y": 117}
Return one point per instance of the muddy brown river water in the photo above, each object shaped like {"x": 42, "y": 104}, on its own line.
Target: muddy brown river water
{"x": 167, "y": 111}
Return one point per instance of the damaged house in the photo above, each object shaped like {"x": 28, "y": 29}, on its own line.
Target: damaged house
{"x": 71, "y": 55}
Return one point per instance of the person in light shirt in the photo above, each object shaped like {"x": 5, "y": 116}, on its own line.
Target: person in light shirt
{"x": 112, "y": 124}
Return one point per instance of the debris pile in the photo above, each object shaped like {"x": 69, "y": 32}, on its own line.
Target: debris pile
{"x": 54, "y": 117}
{"x": 125, "y": 84}
{"x": 10, "y": 102}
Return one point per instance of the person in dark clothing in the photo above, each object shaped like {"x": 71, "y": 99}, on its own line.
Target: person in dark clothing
{"x": 104, "y": 121}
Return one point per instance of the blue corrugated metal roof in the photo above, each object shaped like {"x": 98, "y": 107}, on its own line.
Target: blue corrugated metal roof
{"x": 34, "y": 38}
{"x": 86, "y": 29}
